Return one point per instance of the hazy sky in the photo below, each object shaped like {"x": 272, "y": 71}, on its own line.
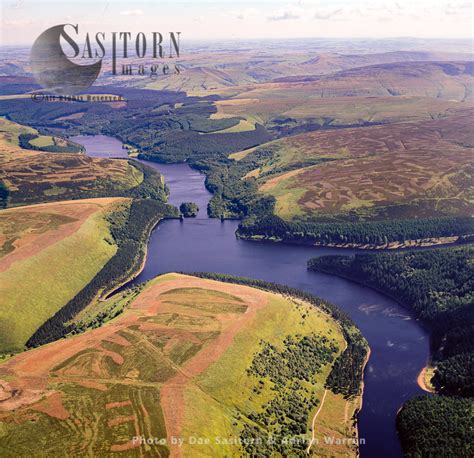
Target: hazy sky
{"x": 23, "y": 20}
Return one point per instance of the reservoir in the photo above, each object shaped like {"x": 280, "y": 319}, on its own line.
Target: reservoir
{"x": 400, "y": 347}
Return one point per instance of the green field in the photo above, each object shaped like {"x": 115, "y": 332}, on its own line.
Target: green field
{"x": 42, "y": 245}
{"x": 242, "y": 126}
{"x": 42, "y": 141}
{"x": 9, "y": 132}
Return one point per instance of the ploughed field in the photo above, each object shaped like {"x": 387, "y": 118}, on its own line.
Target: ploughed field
{"x": 188, "y": 358}
{"x": 48, "y": 253}
{"x": 401, "y": 170}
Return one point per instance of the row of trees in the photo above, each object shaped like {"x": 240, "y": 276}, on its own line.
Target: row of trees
{"x": 344, "y": 319}
{"x": 376, "y": 233}
{"x": 4, "y": 193}
{"x": 24, "y": 140}
{"x": 347, "y": 370}
{"x": 130, "y": 233}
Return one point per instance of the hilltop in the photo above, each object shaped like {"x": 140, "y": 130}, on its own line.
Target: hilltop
{"x": 188, "y": 357}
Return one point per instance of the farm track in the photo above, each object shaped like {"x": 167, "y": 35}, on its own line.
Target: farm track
{"x": 313, "y": 438}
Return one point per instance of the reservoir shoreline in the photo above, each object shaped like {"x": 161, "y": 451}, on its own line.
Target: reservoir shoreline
{"x": 399, "y": 345}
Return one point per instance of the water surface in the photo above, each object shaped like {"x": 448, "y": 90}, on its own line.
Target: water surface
{"x": 400, "y": 347}
{"x": 101, "y": 146}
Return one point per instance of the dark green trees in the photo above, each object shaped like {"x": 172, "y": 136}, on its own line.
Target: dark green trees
{"x": 436, "y": 426}
{"x": 189, "y": 209}
{"x": 437, "y": 285}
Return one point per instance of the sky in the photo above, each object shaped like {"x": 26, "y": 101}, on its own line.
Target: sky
{"x": 23, "y": 20}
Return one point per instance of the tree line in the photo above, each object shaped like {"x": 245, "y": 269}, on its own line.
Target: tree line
{"x": 130, "y": 232}
{"x": 437, "y": 285}
{"x": 374, "y": 233}
{"x": 436, "y": 426}
{"x": 25, "y": 139}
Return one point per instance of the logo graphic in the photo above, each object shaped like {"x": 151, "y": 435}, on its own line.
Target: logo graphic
{"x": 53, "y": 70}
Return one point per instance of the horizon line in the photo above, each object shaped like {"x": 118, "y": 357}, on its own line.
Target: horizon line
{"x": 227, "y": 39}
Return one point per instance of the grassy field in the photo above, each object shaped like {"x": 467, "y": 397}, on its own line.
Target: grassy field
{"x": 37, "y": 176}
{"x": 406, "y": 90}
{"x": 242, "y": 126}
{"x": 41, "y": 245}
{"x": 9, "y": 132}
{"x": 277, "y": 105}
{"x": 187, "y": 358}
{"x": 412, "y": 169}
{"x": 42, "y": 141}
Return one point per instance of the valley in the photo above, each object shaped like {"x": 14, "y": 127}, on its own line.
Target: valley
{"x": 154, "y": 255}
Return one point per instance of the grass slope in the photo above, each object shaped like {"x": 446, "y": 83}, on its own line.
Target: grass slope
{"x": 285, "y": 109}
{"x": 41, "y": 246}
{"x": 37, "y": 176}
{"x": 184, "y": 359}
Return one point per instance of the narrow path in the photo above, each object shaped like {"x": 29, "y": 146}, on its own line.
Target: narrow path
{"x": 314, "y": 420}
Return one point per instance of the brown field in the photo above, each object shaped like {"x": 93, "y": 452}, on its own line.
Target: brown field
{"x": 36, "y": 176}
{"x": 404, "y": 169}
{"x": 125, "y": 351}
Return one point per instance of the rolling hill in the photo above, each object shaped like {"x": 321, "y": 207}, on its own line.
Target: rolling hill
{"x": 40, "y": 246}
{"x": 445, "y": 80}
{"x": 188, "y": 358}
{"x": 376, "y": 93}
{"x": 232, "y": 71}
{"x": 410, "y": 169}
{"x": 30, "y": 177}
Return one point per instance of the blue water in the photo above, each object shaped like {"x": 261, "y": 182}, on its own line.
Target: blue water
{"x": 399, "y": 346}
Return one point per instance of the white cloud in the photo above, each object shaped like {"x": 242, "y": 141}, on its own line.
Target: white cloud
{"x": 17, "y": 22}
{"x": 327, "y": 13}
{"x": 286, "y": 14}
{"x": 131, "y": 13}
{"x": 454, "y": 9}
{"x": 246, "y": 14}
